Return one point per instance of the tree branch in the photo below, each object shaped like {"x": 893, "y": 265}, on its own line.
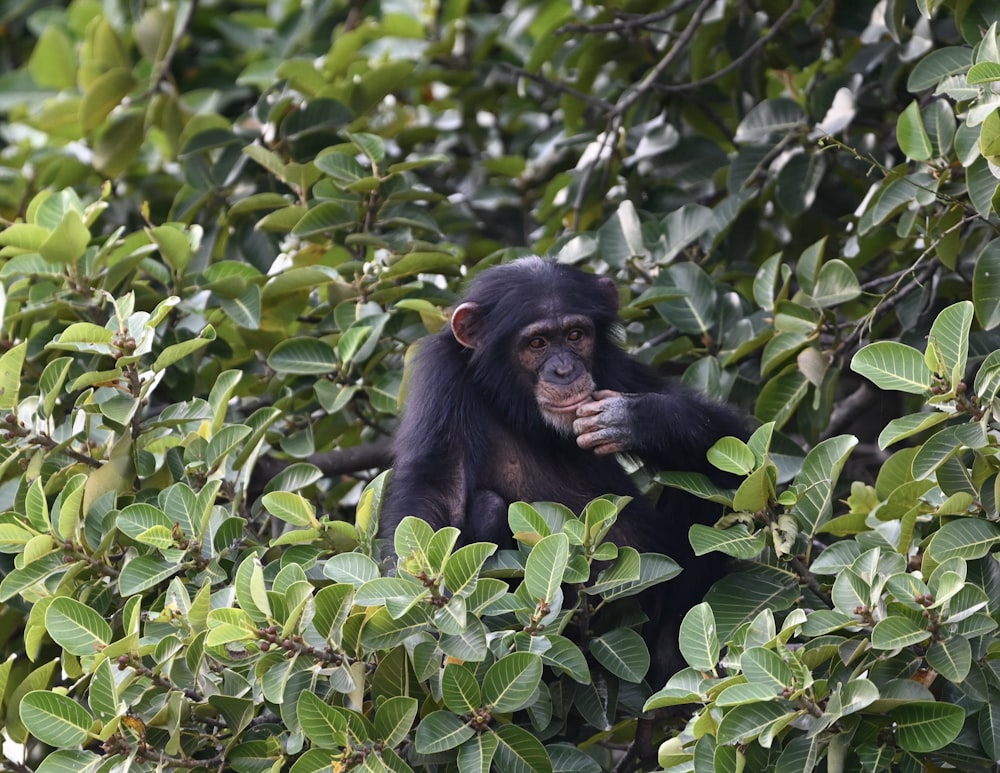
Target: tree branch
{"x": 738, "y": 61}
{"x": 626, "y": 22}
{"x": 847, "y": 410}
{"x": 340, "y": 461}
{"x": 633, "y": 96}
{"x": 562, "y": 88}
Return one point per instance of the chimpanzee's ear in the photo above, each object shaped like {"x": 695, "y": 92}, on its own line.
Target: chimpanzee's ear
{"x": 610, "y": 289}
{"x": 465, "y": 324}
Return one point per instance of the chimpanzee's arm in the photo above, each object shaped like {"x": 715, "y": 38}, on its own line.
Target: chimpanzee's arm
{"x": 429, "y": 488}
{"x": 671, "y": 429}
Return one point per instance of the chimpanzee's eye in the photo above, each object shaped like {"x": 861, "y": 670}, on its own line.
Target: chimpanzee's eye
{"x": 537, "y": 342}
{"x": 574, "y": 335}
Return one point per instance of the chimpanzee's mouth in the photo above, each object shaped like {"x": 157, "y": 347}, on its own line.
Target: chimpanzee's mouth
{"x": 567, "y": 407}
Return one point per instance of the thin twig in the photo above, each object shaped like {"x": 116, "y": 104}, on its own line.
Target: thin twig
{"x": 556, "y": 86}
{"x": 627, "y": 22}
{"x": 163, "y": 69}
{"x": 810, "y": 581}
{"x": 633, "y": 96}
{"x": 848, "y": 409}
{"x": 741, "y": 59}
{"x": 885, "y": 306}
{"x": 14, "y": 767}
{"x": 49, "y": 444}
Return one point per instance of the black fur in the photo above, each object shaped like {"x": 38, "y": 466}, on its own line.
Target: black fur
{"x": 473, "y": 440}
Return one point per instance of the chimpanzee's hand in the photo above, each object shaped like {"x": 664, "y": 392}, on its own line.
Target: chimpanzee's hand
{"x": 604, "y": 425}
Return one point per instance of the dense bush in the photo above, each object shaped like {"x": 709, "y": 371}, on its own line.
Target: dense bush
{"x": 225, "y": 224}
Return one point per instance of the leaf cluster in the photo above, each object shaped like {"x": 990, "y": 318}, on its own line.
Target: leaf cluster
{"x": 224, "y": 227}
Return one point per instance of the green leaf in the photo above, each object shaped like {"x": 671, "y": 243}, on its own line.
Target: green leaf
{"x": 835, "y": 284}
{"x": 145, "y": 572}
{"x": 987, "y": 384}
{"x": 925, "y": 726}
{"x": 136, "y": 519}
{"x": 623, "y": 652}
{"x": 53, "y": 62}
{"x": 55, "y": 719}
{"x": 371, "y": 145}
{"x": 244, "y": 311}
{"x": 26, "y": 237}
{"x": 291, "y": 508}
{"x": 394, "y": 718}
{"x": 732, "y": 455}
{"x": 19, "y": 580}
{"x": 966, "y": 538}
{"x": 322, "y": 724}
{"x": 983, "y": 72}
{"x": 342, "y": 167}
{"x": 302, "y": 356}
{"x": 989, "y": 137}
{"x": 894, "y": 366}
{"x": 694, "y": 311}
{"x": 476, "y": 756}
{"x": 896, "y": 632}
{"x": 520, "y": 752}
{"x": 237, "y": 712}
{"x": 251, "y": 592}
{"x": 117, "y": 144}
{"x": 911, "y": 134}
{"x": 76, "y": 627}
{"x": 950, "y": 337}
{"x": 781, "y": 396}
{"x": 736, "y": 541}
{"x": 820, "y": 471}
{"x": 743, "y": 724}
{"x": 697, "y": 484}
{"x": 563, "y": 655}
{"x": 353, "y": 568}
{"x": 624, "y": 578}
{"x": 943, "y": 445}
{"x": 545, "y": 566}
{"x": 742, "y": 693}
{"x": 770, "y": 117}
{"x": 413, "y": 536}
{"x": 683, "y": 226}
{"x": 698, "y": 640}
{"x": 620, "y": 238}
{"x": 982, "y": 186}
{"x": 907, "y": 426}
{"x": 10, "y": 376}
{"x": 462, "y": 569}
{"x": 986, "y": 286}
{"x": 952, "y": 658}
{"x": 174, "y": 353}
{"x": 68, "y": 241}
{"x": 229, "y": 625}
{"x": 103, "y": 96}
{"x": 324, "y": 218}
{"x": 511, "y": 682}
{"x": 989, "y": 725}
{"x": 70, "y": 761}
{"x": 460, "y": 690}
{"x": 683, "y": 687}
{"x": 938, "y": 65}
{"x": 764, "y": 666}
{"x": 756, "y": 492}
{"x": 440, "y": 731}
{"x": 740, "y": 597}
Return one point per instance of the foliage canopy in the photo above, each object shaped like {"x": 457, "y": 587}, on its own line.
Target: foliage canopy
{"x": 224, "y": 226}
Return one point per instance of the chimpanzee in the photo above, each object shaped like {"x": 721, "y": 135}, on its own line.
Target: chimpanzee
{"x": 527, "y": 397}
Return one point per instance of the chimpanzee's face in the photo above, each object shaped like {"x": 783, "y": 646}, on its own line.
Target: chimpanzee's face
{"x": 556, "y": 356}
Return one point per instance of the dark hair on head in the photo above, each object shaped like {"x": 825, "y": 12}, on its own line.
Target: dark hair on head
{"x": 532, "y": 287}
